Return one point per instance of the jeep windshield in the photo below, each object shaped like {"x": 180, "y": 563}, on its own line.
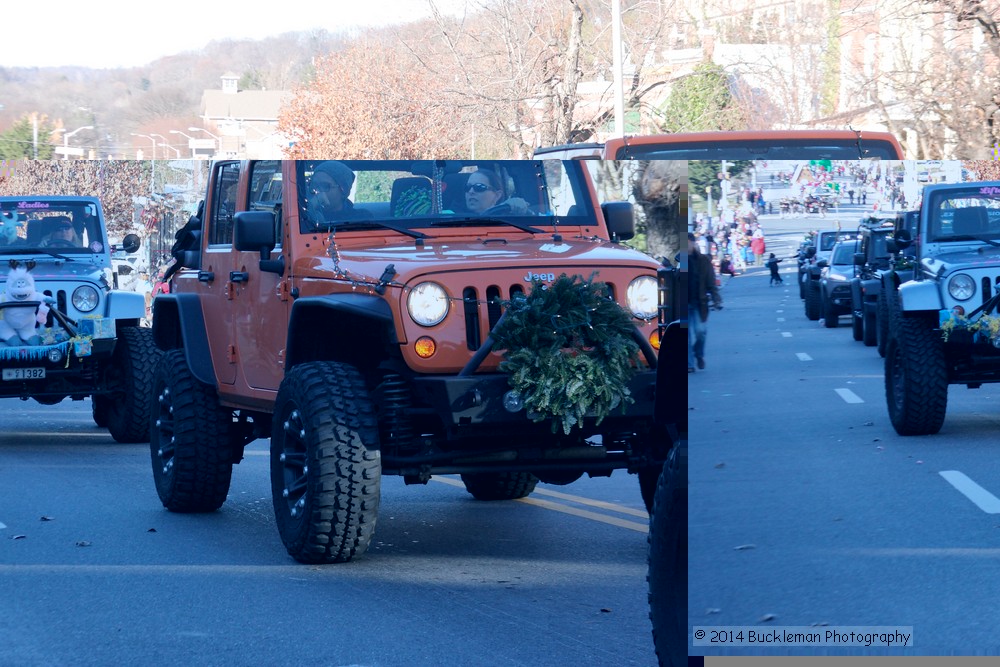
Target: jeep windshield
{"x": 57, "y": 226}
{"x": 414, "y": 194}
{"x": 966, "y": 214}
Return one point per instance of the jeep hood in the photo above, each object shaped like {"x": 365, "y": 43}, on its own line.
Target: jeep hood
{"x": 542, "y": 255}
{"x": 81, "y": 268}
{"x": 983, "y": 256}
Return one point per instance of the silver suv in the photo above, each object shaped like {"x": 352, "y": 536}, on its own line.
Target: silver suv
{"x": 64, "y": 332}
{"x": 946, "y": 328}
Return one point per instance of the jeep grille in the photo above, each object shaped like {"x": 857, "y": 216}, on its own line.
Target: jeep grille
{"x": 478, "y": 309}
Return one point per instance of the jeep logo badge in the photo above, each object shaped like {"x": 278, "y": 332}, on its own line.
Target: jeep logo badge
{"x": 545, "y": 277}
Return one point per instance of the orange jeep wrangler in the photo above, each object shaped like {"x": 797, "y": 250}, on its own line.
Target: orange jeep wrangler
{"x": 347, "y": 311}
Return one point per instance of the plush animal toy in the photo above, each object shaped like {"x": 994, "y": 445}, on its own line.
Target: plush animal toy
{"x": 17, "y": 325}
{"x": 8, "y": 228}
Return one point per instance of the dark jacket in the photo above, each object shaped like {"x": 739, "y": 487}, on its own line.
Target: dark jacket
{"x": 701, "y": 286}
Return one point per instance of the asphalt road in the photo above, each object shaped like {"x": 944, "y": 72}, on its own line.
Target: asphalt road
{"x": 95, "y": 572}
{"x": 806, "y": 508}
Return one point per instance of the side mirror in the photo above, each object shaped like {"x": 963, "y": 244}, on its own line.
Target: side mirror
{"x": 903, "y": 239}
{"x": 131, "y": 243}
{"x": 822, "y": 263}
{"x": 620, "y": 218}
{"x": 254, "y": 231}
{"x": 859, "y": 259}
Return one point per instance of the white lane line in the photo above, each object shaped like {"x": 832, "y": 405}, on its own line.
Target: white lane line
{"x": 786, "y": 334}
{"x": 803, "y": 356}
{"x": 849, "y": 396}
{"x": 983, "y": 499}
{"x": 2, "y": 526}
{"x": 781, "y": 319}
{"x": 779, "y": 311}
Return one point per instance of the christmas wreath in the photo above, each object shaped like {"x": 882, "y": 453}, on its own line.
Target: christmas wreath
{"x": 569, "y": 351}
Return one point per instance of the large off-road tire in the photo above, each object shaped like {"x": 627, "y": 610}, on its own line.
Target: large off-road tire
{"x": 869, "y": 326}
{"x": 668, "y": 563}
{"x": 813, "y": 300}
{"x": 499, "y": 485}
{"x": 888, "y": 316}
{"x": 99, "y": 407}
{"x": 916, "y": 378}
{"x": 189, "y": 439}
{"x": 130, "y": 376}
{"x": 325, "y": 463}
{"x": 830, "y": 317}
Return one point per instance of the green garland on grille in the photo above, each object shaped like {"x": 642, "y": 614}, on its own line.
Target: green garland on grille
{"x": 569, "y": 351}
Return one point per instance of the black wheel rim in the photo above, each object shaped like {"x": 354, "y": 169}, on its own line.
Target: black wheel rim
{"x": 164, "y": 430}
{"x": 294, "y": 469}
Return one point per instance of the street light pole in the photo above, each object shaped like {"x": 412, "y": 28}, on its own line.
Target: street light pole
{"x": 189, "y": 138}
{"x": 177, "y": 153}
{"x": 152, "y": 178}
{"x": 67, "y": 135}
{"x": 218, "y": 147}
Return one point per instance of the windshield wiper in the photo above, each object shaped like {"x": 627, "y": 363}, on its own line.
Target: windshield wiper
{"x": 348, "y": 225}
{"x": 968, "y": 237}
{"x": 454, "y": 222}
{"x": 15, "y": 250}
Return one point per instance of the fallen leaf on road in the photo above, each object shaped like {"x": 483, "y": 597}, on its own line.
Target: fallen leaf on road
{"x": 720, "y": 465}
{"x": 713, "y": 610}
{"x": 19, "y": 537}
{"x": 605, "y": 610}
{"x": 819, "y": 624}
{"x": 46, "y": 518}
{"x": 83, "y": 543}
{"x": 919, "y": 462}
{"x": 767, "y": 617}
{"x": 744, "y": 547}
{"x": 151, "y": 530}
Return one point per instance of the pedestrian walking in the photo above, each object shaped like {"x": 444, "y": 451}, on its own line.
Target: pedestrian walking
{"x": 703, "y": 293}
{"x": 772, "y": 264}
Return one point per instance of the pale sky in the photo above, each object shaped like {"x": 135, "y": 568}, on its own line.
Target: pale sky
{"x": 111, "y": 33}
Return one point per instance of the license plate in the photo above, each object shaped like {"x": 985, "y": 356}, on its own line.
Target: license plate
{"x": 23, "y": 373}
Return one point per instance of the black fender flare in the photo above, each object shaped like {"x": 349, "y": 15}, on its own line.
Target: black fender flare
{"x": 178, "y": 322}
{"x": 348, "y": 313}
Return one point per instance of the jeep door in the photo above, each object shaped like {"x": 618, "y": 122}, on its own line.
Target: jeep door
{"x": 217, "y": 260}
{"x": 261, "y": 303}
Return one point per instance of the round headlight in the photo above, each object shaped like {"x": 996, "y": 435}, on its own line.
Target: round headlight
{"x": 85, "y": 298}
{"x": 961, "y": 287}
{"x": 427, "y": 304}
{"x": 641, "y": 297}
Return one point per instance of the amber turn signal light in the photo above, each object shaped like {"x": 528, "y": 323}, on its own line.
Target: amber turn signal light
{"x": 425, "y": 347}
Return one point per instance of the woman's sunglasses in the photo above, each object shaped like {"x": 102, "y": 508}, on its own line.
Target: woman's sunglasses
{"x": 477, "y": 187}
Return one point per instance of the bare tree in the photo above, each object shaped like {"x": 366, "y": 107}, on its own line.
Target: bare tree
{"x": 368, "y": 102}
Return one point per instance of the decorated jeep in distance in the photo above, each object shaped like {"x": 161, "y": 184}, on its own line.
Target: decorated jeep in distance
{"x": 410, "y": 318}
{"x": 64, "y": 332}
{"x": 945, "y": 325}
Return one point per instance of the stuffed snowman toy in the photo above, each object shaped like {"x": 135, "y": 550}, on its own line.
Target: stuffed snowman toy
{"x": 17, "y": 325}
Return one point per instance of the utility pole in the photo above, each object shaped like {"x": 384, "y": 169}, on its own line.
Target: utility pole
{"x": 616, "y": 65}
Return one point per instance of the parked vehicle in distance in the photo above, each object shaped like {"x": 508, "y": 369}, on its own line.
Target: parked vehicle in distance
{"x": 360, "y": 337}
{"x": 835, "y": 282}
{"x": 810, "y": 268}
{"x": 90, "y": 342}
{"x": 900, "y": 270}
{"x": 737, "y": 145}
{"x": 945, "y": 325}
{"x": 871, "y": 260}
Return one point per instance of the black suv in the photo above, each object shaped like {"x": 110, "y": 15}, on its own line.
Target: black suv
{"x": 901, "y": 266}
{"x": 812, "y": 265}
{"x": 835, "y": 282}
{"x": 871, "y": 260}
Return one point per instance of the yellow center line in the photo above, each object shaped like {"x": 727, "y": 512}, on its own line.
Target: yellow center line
{"x": 566, "y": 509}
